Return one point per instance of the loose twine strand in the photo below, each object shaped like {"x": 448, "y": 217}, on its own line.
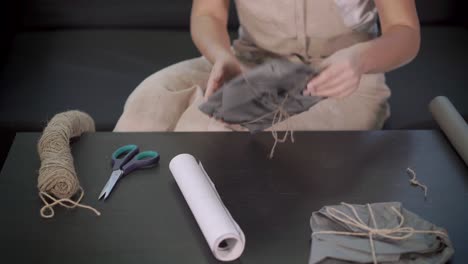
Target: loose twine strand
{"x": 57, "y": 181}
{"x": 279, "y": 115}
{"x": 414, "y": 181}
{"x": 396, "y": 233}
{"x": 47, "y": 211}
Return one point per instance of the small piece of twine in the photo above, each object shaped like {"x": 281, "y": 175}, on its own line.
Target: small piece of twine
{"x": 57, "y": 181}
{"x": 414, "y": 181}
{"x": 396, "y": 233}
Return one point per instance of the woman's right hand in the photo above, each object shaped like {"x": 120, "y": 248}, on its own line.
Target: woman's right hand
{"x": 224, "y": 69}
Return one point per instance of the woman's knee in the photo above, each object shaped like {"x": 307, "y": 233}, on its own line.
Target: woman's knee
{"x": 132, "y": 122}
{"x": 180, "y": 76}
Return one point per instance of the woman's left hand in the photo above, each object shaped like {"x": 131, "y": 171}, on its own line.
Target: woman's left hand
{"x": 340, "y": 76}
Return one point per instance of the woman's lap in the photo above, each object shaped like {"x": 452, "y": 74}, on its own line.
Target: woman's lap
{"x": 168, "y": 100}
{"x": 160, "y": 100}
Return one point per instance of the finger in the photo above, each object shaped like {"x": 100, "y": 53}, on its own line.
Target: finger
{"x": 338, "y": 80}
{"x": 326, "y": 75}
{"x": 333, "y": 92}
{"x": 211, "y": 89}
{"x": 213, "y": 83}
{"x": 344, "y": 77}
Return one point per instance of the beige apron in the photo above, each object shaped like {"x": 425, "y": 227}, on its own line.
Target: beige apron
{"x": 301, "y": 30}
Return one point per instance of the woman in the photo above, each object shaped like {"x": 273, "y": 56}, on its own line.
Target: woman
{"x": 340, "y": 37}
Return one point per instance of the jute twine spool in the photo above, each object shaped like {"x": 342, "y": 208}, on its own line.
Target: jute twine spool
{"x": 57, "y": 181}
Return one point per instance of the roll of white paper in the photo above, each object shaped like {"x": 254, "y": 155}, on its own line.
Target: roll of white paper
{"x": 224, "y": 236}
{"x": 452, "y": 123}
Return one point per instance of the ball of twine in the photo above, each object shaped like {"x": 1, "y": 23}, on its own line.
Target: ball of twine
{"x": 57, "y": 181}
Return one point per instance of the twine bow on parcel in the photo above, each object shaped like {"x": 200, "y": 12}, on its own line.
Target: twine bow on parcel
{"x": 58, "y": 183}
{"x": 398, "y": 232}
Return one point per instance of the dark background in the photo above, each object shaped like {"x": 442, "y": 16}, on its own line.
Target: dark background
{"x": 58, "y": 55}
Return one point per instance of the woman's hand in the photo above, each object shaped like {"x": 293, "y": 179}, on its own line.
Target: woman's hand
{"x": 208, "y": 26}
{"x": 398, "y": 45}
{"x": 340, "y": 76}
{"x": 224, "y": 69}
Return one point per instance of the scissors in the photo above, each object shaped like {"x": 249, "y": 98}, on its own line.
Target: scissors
{"x": 125, "y": 160}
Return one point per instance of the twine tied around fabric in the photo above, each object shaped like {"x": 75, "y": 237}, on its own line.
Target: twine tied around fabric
{"x": 396, "y": 233}
{"x": 414, "y": 181}
{"x": 57, "y": 181}
{"x": 279, "y": 115}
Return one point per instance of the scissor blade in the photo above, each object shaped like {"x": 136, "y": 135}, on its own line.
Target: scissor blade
{"x": 115, "y": 176}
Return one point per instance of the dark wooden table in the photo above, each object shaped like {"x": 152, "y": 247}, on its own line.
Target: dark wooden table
{"x": 146, "y": 219}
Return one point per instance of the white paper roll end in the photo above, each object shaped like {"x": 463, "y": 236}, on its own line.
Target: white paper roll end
{"x": 223, "y": 235}
{"x": 229, "y": 248}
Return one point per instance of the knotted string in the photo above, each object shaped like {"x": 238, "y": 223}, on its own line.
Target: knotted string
{"x": 279, "y": 115}
{"x": 47, "y": 211}
{"x": 415, "y": 181}
{"x": 396, "y": 233}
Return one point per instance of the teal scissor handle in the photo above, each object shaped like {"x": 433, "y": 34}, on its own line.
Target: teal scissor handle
{"x": 123, "y": 149}
{"x": 123, "y": 155}
{"x": 146, "y": 154}
{"x": 142, "y": 160}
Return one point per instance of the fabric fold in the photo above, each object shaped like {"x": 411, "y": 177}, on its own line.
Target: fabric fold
{"x": 253, "y": 98}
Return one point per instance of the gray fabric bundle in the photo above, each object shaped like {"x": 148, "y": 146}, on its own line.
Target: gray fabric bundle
{"x": 254, "y": 98}
{"x": 428, "y": 243}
